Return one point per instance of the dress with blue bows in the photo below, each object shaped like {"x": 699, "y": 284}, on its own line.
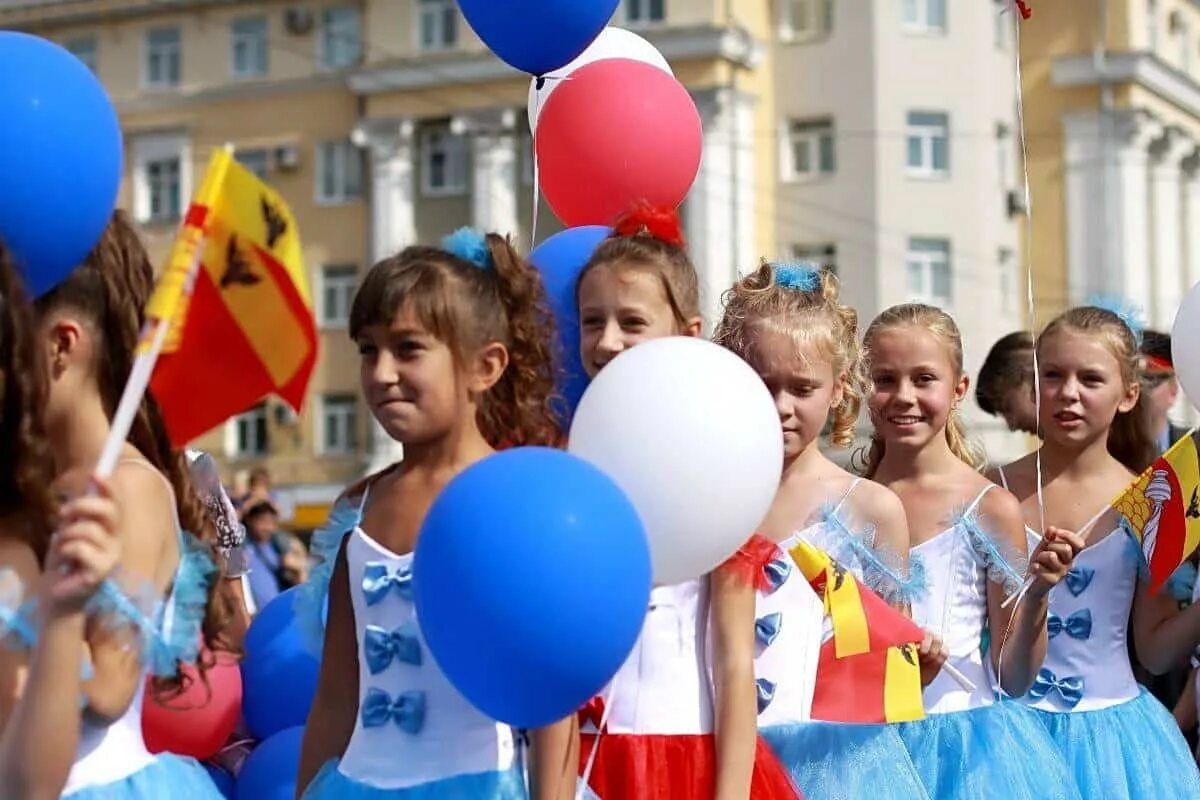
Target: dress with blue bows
{"x": 416, "y": 737}
{"x": 970, "y": 746}
{"x": 827, "y": 760}
{"x": 651, "y": 730}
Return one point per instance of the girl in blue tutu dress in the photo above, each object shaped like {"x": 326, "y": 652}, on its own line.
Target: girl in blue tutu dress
{"x": 89, "y": 325}
{"x": 1117, "y": 738}
{"x": 455, "y": 362}
{"x": 969, "y": 746}
{"x": 787, "y": 322}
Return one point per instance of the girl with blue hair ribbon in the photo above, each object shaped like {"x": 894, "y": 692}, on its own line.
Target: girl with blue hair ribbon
{"x": 455, "y": 363}
{"x": 1117, "y": 738}
{"x": 969, "y": 534}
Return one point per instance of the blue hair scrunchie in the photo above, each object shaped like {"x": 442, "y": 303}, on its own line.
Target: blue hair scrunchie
{"x": 470, "y": 245}
{"x": 1125, "y": 310}
{"x": 804, "y": 276}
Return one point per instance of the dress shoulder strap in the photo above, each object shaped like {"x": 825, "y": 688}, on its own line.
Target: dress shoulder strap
{"x": 979, "y": 498}
{"x": 846, "y": 496}
{"x": 1003, "y": 480}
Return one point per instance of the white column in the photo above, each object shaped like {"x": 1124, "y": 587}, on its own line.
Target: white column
{"x": 720, "y": 218}
{"x": 1191, "y": 220}
{"x": 393, "y": 225}
{"x": 494, "y": 162}
{"x": 1166, "y": 199}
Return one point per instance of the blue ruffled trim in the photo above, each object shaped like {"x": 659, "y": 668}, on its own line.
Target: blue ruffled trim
{"x": 18, "y": 616}
{"x": 1182, "y": 582}
{"x": 1004, "y": 565}
{"x": 885, "y": 579}
{"x": 311, "y": 596}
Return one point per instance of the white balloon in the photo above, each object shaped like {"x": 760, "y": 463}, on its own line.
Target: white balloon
{"x": 1185, "y": 345}
{"x": 690, "y": 433}
{"x": 611, "y": 43}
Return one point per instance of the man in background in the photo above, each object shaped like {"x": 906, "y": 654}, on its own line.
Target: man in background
{"x": 1005, "y": 385}
{"x": 277, "y": 559}
{"x": 1160, "y": 389}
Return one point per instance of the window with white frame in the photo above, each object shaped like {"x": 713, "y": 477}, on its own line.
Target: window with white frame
{"x": 340, "y": 41}
{"x": 338, "y": 421}
{"x": 161, "y": 171}
{"x": 443, "y": 161}
{"x": 339, "y": 172}
{"x": 248, "y": 47}
{"x": 163, "y": 50}
{"x": 928, "y": 138}
{"x": 438, "y": 24}
{"x": 811, "y": 150}
{"x": 927, "y": 267}
{"x": 823, "y": 254}
{"x": 257, "y": 161}
{"x": 338, "y": 284}
{"x": 246, "y": 434}
{"x": 804, "y": 20}
{"x": 83, "y": 48}
{"x": 640, "y": 12}
{"x": 924, "y": 16}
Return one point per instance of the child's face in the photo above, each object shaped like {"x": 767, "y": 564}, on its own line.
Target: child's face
{"x": 619, "y": 308}
{"x": 1082, "y": 387}
{"x": 915, "y": 386}
{"x": 800, "y": 378}
{"x": 409, "y": 379}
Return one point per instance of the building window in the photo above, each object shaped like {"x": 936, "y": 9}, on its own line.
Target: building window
{"x": 924, "y": 16}
{"x": 823, "y": 254}
{"x": 928, "y": 143}
{"x": 443, "y": 162}
{"x": 338, "y": 420}
{"x": 257, "y": 161}
{"x": 338, "y": 285}
{"x": 804, "y": 20}
{"x": 162, "y": 57}
{"x": 166, "y": 193}
{"x": 640, "y": 12}
{"x": 83, "y": 48}
{"x": 811, "y": 148}
{"x": 339, "y": 172}
{"x": 928, "y": 271}
{"x": 438, "y": 24}
{"x": 1152, "y": 25}
{"x": 161, "y": 177}
{"x": 249, "y": 433}
{"x": 340, "y": 42}
{"x": 248, "y": 43}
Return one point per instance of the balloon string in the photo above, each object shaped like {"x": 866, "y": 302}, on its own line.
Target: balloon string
{"x": 586, "y": 778}
{"x": 537, "y": 181}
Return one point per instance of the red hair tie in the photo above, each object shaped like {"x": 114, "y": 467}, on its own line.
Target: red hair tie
{"x": 644, "y": 219}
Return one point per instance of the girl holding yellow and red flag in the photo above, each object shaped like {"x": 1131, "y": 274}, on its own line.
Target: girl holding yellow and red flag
{"x": 787, "y": 322}
{"x": 970, "y": 746}
{"x": 1117, "y": 738}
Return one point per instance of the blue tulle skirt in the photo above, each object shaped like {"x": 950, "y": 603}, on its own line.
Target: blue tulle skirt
{"x": 332, "y": 784}
{"x": 169, "y": 776}
{"x": 832, "y": 761}
{"x": 1125, "y": 752}
{"x": 995, "y": 751}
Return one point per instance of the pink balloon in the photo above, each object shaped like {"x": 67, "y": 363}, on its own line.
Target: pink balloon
{"x": 619, "y": 131}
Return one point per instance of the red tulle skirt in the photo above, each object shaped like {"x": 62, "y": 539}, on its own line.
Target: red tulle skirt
{"x": 677, "y": 767}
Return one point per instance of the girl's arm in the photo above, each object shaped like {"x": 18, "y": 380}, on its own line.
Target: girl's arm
{"x": 1185, "y": 709}
{"x": 736, "y": 725}
{"x": 555, "y": 760}
{"x": 335, "y": 707}
{"x": 1163, "y": 636}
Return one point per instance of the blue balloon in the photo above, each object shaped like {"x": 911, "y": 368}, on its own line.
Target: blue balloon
{"x": 560, "y": 259}
{"x": 537, "y": 36}
{"x": 60, "y": 158}
{"x": 279, "y": 673}
{"x": 270, "y": 771}
{"x": 222, "y": 779}
{"x": 531, "y": 579}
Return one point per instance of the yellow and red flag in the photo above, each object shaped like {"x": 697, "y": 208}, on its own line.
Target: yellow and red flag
{"x": 867, "y": 671}
{"x": 241, "y": 325}
{"x": 1162, "y": 508}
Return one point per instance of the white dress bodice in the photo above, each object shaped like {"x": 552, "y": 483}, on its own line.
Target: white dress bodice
{"x": 663, "y": 686}
{"x": 412, "y": 727}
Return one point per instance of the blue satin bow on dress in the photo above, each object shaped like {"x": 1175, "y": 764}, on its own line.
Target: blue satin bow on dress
{"x": 1070, "y": 688}
{"x": 382, "y": 646}
{"x": 777, "y": 571}
{"x": 378, "y": 580}
{"x": 1078, "y": 579}
{"x": 766, "y": 628}
{"x": 1077, "y": 625}
{"x": 407, "y": 710}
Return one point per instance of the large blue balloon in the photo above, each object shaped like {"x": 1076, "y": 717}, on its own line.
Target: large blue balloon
{"x": 60, "y": 158}
{"x": 223, "y": 780}
{"x": 560, "y": 259}
{"x": 531, "y": 578}
{"x": 270, "y": 771}
{"x": 538, "y": 36}
{"x": 279, "y": 672}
